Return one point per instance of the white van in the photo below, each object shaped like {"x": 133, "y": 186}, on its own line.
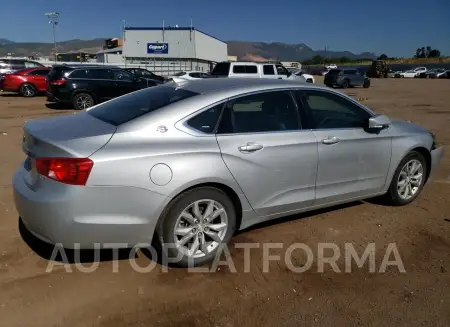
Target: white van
{"x": 248, "y": 69}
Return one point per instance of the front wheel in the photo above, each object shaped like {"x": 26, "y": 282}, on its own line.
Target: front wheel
{"x": 82, "y": 101}
{"x": 27, "y": 90}
{"x": 195, "y": 225}
{"x": 366, "y": 84}
{"x": 345, "y": 84}
{"x": 408, "y": 179}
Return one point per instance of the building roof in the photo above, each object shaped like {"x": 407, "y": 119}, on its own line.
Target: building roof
{"x": 170, "y": 28}
{"x": 117, "y": 49}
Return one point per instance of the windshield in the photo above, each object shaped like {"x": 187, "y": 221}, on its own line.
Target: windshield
{"x": 136, "y": 104}
{"x": 221, "y": 69}
{"x": 179, "y": 74}
{"x": 334, "y": 71}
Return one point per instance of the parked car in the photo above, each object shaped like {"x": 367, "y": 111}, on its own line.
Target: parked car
{"x": 408, "y": 74}
{"x": 197, "y": 161}
{"x": 11, "y": 65}
{"x": 28, "y": 82}
{"x": 346, "y": 78}
{"x": 431, "y": 73}
{"x": 393, "y": 74}
{"x": 445, "y": 75}
{"x": 145, "y": 73}
{"x": 420, "y": 70}
{"x": 84, "y": 86}
{"x": 331, "y": 66}
{"x": 439, "y": 73}
{"x": 300, "y": 73}
{"x": 189, "y": 75}
{"x": 249, "y": 69}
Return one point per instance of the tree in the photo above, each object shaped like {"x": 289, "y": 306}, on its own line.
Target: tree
{"x": 427, "y": 52}
{"x": 383, "y": 57}
{"x": 434, "y": 53}
{"x": 317, "y": 60}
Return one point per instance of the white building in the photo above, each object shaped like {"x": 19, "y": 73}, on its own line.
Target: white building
{"x": 171, "y": 49}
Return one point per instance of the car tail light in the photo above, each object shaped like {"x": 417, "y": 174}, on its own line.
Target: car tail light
{"x": 73, "y": 171}
{"x": 58, "y": 82}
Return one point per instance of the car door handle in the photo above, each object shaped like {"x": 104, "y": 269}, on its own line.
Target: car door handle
{"x": 330, "y": 140}
{"x": 250, "y": 147}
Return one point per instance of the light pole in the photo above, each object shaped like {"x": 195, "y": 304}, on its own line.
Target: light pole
{"x": 53, "y": 19}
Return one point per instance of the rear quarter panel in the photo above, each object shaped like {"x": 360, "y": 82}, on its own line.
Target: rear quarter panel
{"x": 130, "y": 157}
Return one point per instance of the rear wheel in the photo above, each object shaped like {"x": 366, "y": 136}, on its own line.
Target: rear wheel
{"x": 194, "y": 225}
{"x": 408, "y": 179}
{"x": 345, "y": 84}
{"x": 366, "y": 84}
{"x": 82, "y": 101}
{"x": 27, "y": 90}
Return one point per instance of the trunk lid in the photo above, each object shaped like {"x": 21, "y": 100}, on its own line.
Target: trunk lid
{"x": 71, "y": 136}
{"x": 78, "y": 135}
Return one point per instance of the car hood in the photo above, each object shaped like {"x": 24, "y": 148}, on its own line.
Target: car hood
{"x": 401, "y": 126}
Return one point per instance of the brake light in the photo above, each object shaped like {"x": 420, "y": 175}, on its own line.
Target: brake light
{"x": 58, "y": 82}
{"x": 73, "y": 171}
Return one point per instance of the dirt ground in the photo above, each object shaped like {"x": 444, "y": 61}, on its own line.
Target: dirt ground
{"x": 30, "y": 296}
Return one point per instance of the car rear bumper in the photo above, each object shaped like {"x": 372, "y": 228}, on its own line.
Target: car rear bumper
{"x": 87, "y": 217}
{"x": 436, "y": 156}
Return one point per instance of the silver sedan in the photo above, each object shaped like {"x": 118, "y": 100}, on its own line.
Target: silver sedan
{"x": 193, "y": 162}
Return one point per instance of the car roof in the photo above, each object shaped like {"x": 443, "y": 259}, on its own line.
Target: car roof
{"x": 75, "y": 66}
{"x": 221, "y": 84}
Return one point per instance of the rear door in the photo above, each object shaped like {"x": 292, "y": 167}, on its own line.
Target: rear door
{"x": 352, "y": 161}
{"x": 38, "y": 78}
{"x": 95, "y": 80}
{"x": 269, "y": 154}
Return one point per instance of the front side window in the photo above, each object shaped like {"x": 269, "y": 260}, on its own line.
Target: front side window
{"x": 331, "y": 111}
{"x": 221, "y": 69}
{"x": 136, "y": 104}
{"x": 281, "y": 70}
{"x": 264, "y": 112}
{"x": 268, "y": 70}
{"x": 207, "y": 120}
{"x": 121, "y": 75}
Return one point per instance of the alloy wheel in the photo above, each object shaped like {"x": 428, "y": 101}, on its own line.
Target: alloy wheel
{"x": 410, "y": 179}
{"x": 200, "y": 228}
{"x": 84, "y": 102}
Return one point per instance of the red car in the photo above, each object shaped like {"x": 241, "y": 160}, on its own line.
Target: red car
{"x": 28, "y": 82}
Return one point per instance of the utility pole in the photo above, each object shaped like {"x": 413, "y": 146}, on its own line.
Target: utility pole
{"x": 53, "y": 18}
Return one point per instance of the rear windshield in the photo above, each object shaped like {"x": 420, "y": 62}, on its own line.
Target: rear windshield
{"x": 57, "y": 72}
{"x": 221, "y": 69}
{"x": 334, "y": 71}
{"x": 136, "y": 104}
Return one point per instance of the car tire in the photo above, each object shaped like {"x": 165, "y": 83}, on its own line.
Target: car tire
{"x": 345, "y": 84}
{"x": 403, "y": 173}
{"x": 27, "y": 90}
{"x": 172, "y": 220}
{"x": 82, "y": 101}
{"x": 366, "y": 84}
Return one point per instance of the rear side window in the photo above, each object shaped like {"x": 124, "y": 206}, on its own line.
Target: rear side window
{"x": 179, "y": 74}
{"x": 17, "y": 64}
{"x": 207, "y": 120}
{"x": 42, "y": 72}
{"x": 350, "y": 72}
{"x": 221, "y": 69}
{"x": 136, "y": 104}
{"x": 268, "y": 70}
{"x": 245, "y": 69}
{"x": 79, "y": 73}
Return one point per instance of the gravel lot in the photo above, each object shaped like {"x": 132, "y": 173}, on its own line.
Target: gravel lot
{"x": 30, "y": 296}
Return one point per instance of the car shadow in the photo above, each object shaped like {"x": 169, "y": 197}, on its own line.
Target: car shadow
{"x": 46, "y": 250}
{"x": 10, "y": 95}
{"x": 58, "y": 106}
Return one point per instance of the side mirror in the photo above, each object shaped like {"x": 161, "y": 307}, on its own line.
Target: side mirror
{"x": 379, "y": 122}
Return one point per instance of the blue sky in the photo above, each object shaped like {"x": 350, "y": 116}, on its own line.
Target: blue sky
{"x": 394, "y": 27}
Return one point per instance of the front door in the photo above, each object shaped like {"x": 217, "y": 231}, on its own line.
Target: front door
{"x": 125, "y": 82}
{"x": 272, "y": 159}
{"x": 352, "y": 161}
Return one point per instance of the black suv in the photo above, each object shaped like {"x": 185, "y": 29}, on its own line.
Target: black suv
{"x": 346, "y": 78}
{"x": 83, "y": 86}
{"x": 141, "y": 72}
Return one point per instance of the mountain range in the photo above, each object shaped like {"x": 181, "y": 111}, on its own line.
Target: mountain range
{"x": 254, "y": 51}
